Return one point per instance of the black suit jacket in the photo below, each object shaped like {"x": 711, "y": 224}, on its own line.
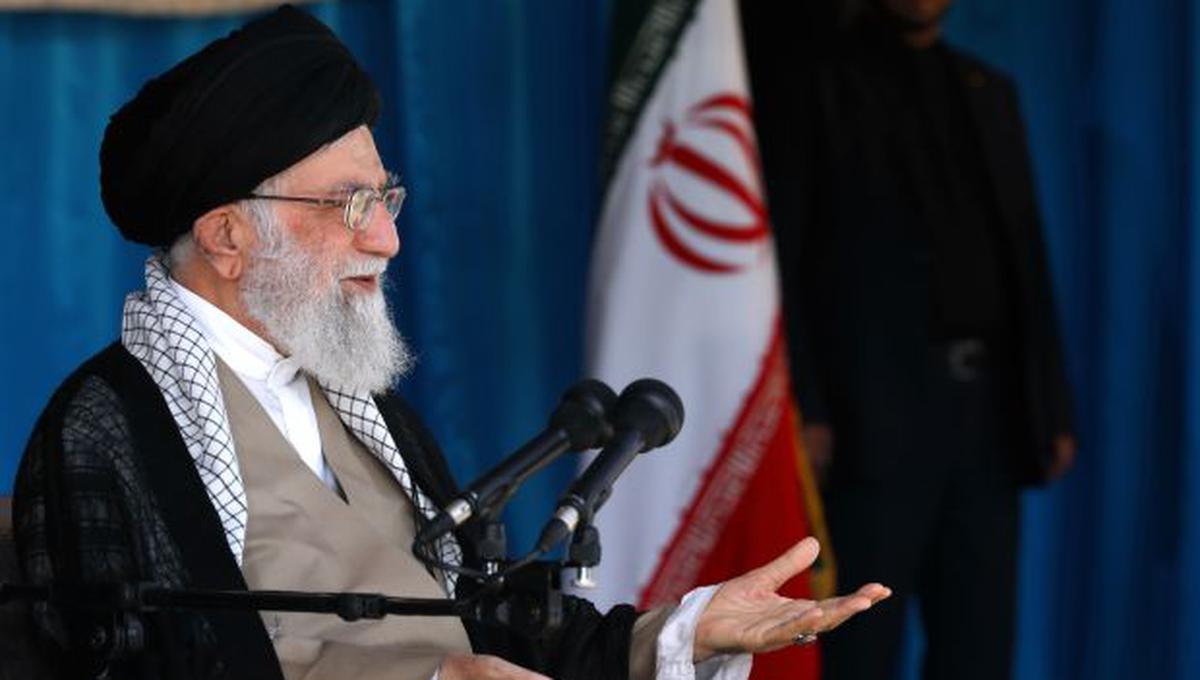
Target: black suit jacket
{"x": 856, "y": 291}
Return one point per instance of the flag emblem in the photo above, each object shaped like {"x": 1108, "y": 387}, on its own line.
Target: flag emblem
{"x": 705, "y": 201}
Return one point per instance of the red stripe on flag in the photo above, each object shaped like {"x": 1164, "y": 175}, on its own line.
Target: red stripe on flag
{"x": 766, "y": 415}
{"x": 749, "y": 509}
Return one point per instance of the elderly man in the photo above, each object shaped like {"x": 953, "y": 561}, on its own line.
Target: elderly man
{"x": 242, "y": 433}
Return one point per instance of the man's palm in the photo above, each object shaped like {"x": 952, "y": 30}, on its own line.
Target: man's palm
{"x": 747, "y": 615}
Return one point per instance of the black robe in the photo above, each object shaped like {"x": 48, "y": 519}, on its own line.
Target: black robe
{"x": 848, "y": 209}
{"x": 108, "y": 493}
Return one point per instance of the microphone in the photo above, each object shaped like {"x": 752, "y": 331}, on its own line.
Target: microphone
{"x": 579, "y": 423}
{"x": 648, "y": 414}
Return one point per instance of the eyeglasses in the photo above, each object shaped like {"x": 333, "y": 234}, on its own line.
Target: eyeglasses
{"x": 358, "y": 206}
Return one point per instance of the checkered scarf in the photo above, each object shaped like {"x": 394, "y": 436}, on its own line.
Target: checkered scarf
{"x": 159, "y": 330}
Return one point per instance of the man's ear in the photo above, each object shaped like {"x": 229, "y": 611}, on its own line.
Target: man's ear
{"x": 225, "y": 238}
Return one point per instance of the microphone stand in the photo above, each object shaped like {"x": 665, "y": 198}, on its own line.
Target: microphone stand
{"x": 492, "y": 544}
{"x": 523, "y": 595}
{"x": 142, "y": 597}
{"x": 584, "y": 554}
{"x": 115, "y": 628}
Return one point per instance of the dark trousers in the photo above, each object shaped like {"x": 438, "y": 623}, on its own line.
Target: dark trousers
{"x": 939, "y": 526}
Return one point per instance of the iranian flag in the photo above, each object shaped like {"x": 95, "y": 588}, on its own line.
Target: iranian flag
{"x": 683, "y": 288}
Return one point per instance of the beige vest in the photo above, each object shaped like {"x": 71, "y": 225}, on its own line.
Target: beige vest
{"x": 302, "y": 536}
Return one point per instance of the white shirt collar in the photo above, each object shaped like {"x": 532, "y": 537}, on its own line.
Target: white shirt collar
{"x": 245, "y": 352}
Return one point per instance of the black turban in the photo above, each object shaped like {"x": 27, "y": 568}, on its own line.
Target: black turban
{"x": 211, "y": 129}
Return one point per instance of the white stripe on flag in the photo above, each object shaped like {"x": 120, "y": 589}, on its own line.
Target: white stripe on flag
{"x": 691, "y": 298}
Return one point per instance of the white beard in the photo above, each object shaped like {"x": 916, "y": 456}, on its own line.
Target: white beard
{"x": 347, "y": 341}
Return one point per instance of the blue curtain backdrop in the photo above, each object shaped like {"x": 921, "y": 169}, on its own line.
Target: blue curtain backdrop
{"x": 491, "y": 115}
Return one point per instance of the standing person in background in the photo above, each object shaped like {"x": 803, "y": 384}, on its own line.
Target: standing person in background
{"x": 924, "y": 343}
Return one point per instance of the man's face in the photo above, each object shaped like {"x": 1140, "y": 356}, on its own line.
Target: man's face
{"x": 916, "y": 13}
{"x": 349, "y": 163}
{"x": 315, "y": 286}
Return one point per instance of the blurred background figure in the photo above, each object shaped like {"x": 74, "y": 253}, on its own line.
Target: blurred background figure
{"x": 924, "y": 342}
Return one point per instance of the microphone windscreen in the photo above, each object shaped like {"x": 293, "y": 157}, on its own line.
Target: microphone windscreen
{"x": 652, "y": 408}
{"x": 583, "y": 414}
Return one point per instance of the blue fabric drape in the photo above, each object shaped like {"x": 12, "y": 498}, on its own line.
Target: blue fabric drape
{"x": 492, "y": 112}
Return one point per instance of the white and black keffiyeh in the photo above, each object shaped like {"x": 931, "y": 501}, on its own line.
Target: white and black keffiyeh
{"x": 159, "y": 330}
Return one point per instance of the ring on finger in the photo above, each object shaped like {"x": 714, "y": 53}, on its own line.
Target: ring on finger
{"x": 802, "y": 639}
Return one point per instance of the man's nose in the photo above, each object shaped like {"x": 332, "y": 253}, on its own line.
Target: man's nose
{"x": 379, "y": 237}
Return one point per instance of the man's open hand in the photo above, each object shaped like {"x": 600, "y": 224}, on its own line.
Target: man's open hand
{"x": 746, "y": 614}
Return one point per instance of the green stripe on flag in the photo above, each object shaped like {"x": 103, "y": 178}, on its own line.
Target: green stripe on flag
{"x": 653, "y": 41}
